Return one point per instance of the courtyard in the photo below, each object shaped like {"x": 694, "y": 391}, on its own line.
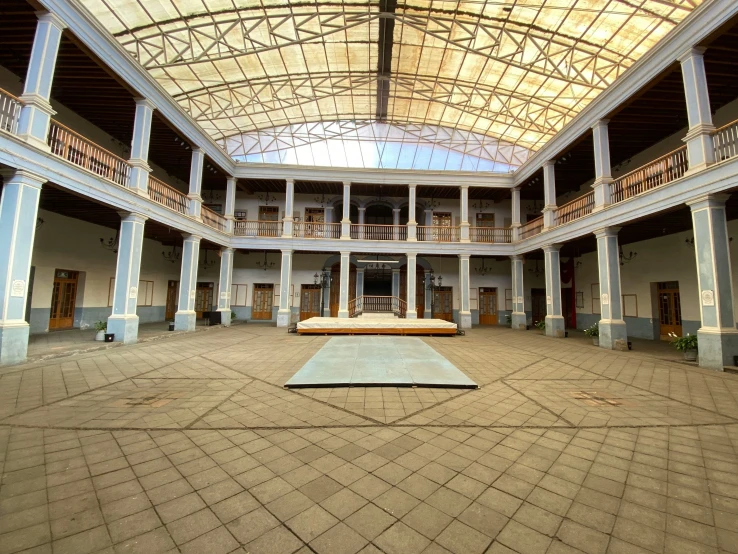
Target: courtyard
{"x": 192, "y": 444}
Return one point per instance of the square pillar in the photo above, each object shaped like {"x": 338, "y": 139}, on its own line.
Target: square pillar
{"x": 186, "y": 318}
{"x": 519, "y": 319}
{"x": 289, "y": 208}
{"x": 549, "y": 194}
{"x": 515, "y": 202}
{"x": 700, "y": 146}
{"x": 362, "y": 222}
{"x": 36, "y": 112}
{"x": 195, "y": 194}
{"x": 224, "y": 285}
{"x": 603, "y": 173}
{"x": 138, "y": 179}
{"x": 285, "y": 290}
{"x": 396, "y": 223}
{"x": 346, "y": 220}
{"x": 465, "y": 318}
{"x": 412, "y": 225}
{"x": 396, "y": 282}
{"x": 555, "y": 324}
{"x": 18, "y": 213}
{"x": 717, "y": 337}
{"x": 230, "y": 203}
{"x": 343, "y": 297}
{"x": 412, "y": 285}
{"x": 123, "y": 322}
{"x": 359, "y": 282}
{"x": 613, "y": 333}
{"x": 428, "y": 309}
{"x": 427, "y": 235}
{"x": 464, "y": 208}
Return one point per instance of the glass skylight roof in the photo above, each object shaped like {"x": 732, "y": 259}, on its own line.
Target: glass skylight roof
{"x": 512, "y": 70}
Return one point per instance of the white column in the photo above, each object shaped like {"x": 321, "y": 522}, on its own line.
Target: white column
{"x": 465, "y": 317}
{"x": 718, "y": 337}
{"x": 33, "y": 122}
{"x": 555, "y": 324}
{"x": 289, "y": 208}
{"x": 549, "y": 194}
{"x": 700, "y": 147}
{"x": 396, "y": 282}
{"x": 230, "y": 203}
{"x": 515, "y": 206}
{"x": 412, "y": 285}
{"x": 396, "y": 223}
{"x": 186, "y": 318}
{"x": 18, "y": 212}
{"x": 362, "y": 222}
{"x": 123, "y": 322}
{"x": 343, "y": 293}
{"x": 329, "y": 214}
{"x": 359, "y": 282}
{"x": 412, "y": 225}
{"x": 285, "y": 290}
{"x": 613, "y": 333}
{"x": 426, "y": 234}
{"x": 139, "y": 160}
{"x": 603, "y": 174}
{"x": 346, "y": 221}
{"x": 428, "y": 296}
{"x": 519, "y": 319}
{"x": 464, "y": 207}
{"x": 196, "y": 165}
{"x": 224, "y": 285}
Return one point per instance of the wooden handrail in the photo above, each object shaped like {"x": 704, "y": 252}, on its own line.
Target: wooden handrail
{"x": 660, "y": 171}
{"x": 434, "y": 233}
{"x": 531, "y": 228}
{"x": 307, "y": 229}
{"x": 257, "y": 228}
{"x": 167, "y": 196}
{"x": 490, "y": 234}
{"x": 725, "y": 141}
{"x": 213, "y": 219}
{"x": 370, "y": 231}
{"x": 575, "y": 209}
{"x": 10, "y": 107}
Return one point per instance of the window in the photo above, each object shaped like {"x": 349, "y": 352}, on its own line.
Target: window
{"x": 144, "y": 293}
{"x": 268, "y": 213}
{"x": 238, "y": 294}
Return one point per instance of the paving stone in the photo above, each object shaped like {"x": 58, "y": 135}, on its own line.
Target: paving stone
{"x": 369, "y": 521}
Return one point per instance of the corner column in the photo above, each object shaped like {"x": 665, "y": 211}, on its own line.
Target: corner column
{"x": 343, "y": 296}
{"x": 464, "y": 207}
{"x": 700, "y": 146}
{"x": 195, "y": 196}
{"x": 285, "y": 290}
{"x": 396, "y": 223}
{"x": 412, "y": 225}
{"x": 555, "y": 324}
{"x": 289, "y": 208}
{"x": 123, "y": 322}
{"x": 603, "y": 173}
{"x": 613, "y": 333}
{"x": 230, "y": 204}
{"x": 185, "y": 318}
{"x": 396, "y": 282}
{"x": 465, "y": 318}
{"x": 412, "y": 286}
{"x": 224, "y": 285}
{"x": 519, "y": 319}
{"x": 138, "y": 179}
{"x": 717, "y": 337}
{"x": 549, "y": 194}
{"x": 515, "y": 201}
{"x": 18, "y": 212}
{"x": 346, "y": 220}
{"x": 362, "y": 222}
{"x": 36, "y": 112}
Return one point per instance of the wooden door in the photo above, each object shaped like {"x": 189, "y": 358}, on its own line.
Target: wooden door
{"x": 488, "y": 306}
{"x": 314, "y": 222}
{"x": 538, "y": 304}
{"x": 171, "y": 306}
{"x": 203, "y": 298}
{"x": 335, "y": 295}
{"x": 268, "y": 221}
{"x": 441, "y": 220}
{"x": 670, "y": 309}
{"x": 443, "y": 303}
{"x": 419, "y": 289}
{"x": 63, "y": 299}
{"x": 309, "y": 301}
{"x": 263, "y": 301}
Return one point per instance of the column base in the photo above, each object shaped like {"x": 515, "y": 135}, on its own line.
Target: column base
{"x": 343, "y": 314}
{"x": 283, "y": 318}
{"x": 519, "y": 321}
{"x": 14, "y": 342}
{"x": 124, "y": 327}
{"x": 225, "y": 316}
{"x": 555, "y": 326}
{"x": 185, "y": 321}
{"x": 613, "y": 334}
{"x": 411, "y": 314}
{"x": 465, "y": 320}
{"x": 717, "y": 348}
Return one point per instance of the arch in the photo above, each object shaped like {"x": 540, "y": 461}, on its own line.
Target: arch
{"x": 379, "y": 202}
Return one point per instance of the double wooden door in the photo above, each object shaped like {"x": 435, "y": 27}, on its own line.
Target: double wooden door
{"x": 261, "y": 307}
{"x": 336, "y": 287}
{"x": 538, "y": 304}
{"x": 203, "y": 298}
{"x": 310, "y": 301}
{"x": 63, "y": 299}
{"x": 670, "y": 309}
{"x": 171, "y": 306}
{"x": 488, "y": 306}
{"x": 443, "y": 303}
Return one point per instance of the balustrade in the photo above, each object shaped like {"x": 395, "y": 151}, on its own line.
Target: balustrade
{"x": 378, "y": 232}
{"x": 10, "y": 108}
{"x": 163, "y": 194}
{"x": 244, "y": 228}
{"x": 213, "y": 219}
{"x": 663, "y": 170}
{"x": 437, "y": 234}
{"x": 532, "y": 228}
{"x": 725, "y": 140}
{"x": 490, "y": 234}
{"x": 309, "y": 230}
{"x": 575, "y": 209}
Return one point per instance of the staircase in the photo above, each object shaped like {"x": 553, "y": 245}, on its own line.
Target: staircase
{"x": 377, "y": 307}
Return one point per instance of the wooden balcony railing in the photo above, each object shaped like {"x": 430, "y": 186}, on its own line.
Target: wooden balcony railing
{"x": 490, "y": 234}
{"x": 213, "y": 219}
{"x": 73, "y": 147}
{"x": 532, "y": 228}
{"x": 378, "y": 232}
{"x": 10, "y": 108}
{"x": 355, "y": 306}
{"x": 575, "y": 209}
{"x": 725, "y": 140}
{"x": 437, "y": 234}
{"x": 663, "y": 170}
{"x": 163, "y": 194}
{"x": 316, "y": 230}
{"x": 244, "y": 228}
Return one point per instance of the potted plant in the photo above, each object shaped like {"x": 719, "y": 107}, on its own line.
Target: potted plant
{"x": 594, "y": 333}
{"x": 686, "y": 344}
{"x": 233, "y": 315}
{"x": 101, "y": 327}
{"x": 508, "y": 320}
{"x": 541, "y": 326}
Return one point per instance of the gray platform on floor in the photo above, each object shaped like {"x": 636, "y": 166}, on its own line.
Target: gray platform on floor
{"x": 378, "y": 361}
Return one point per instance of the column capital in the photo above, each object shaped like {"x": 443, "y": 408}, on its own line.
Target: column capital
{"x": 227, "y": 250}
{"x": 289, "y": 181}
{"x": 396, "y": 209}
{"x": 464, "y": 187}
{"x": 606, "y": 232}
{"x": 344, "y": 253}
{"x": 346, "y": 183}
{"x": 549, "y": 163}
{"x": 191, "y": 238}
{"x": 148, "y": 104}
{"x": 691, "y": 53}
{"x": 361, "y": 208}
{"x": 552, "y": 247}
{"x": 464, "y": 256}
{"x": 29, "y": 178}
{"x": 600, "y": 123}
{"x": 132, "y": 216}
{"x": 230, "y": 180}
{"x": 413, "y": 255}
{"x": 517, "y": 258}
{"x": 48, "y": 17}
{"x": 287, "y": 250}
{"x": 708, "y": 201}
{"x": 412, "y": 185}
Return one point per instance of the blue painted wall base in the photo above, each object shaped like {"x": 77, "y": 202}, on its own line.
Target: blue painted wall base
{"x": 14, "y": 343}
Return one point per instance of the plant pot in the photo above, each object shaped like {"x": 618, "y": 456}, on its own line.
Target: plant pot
{"x": 171, "y": 326}
{"x": 690, "y": 355}
{"x": 100, "y": 336}
{"x": 596, "y": 341}
{"x": 109, "y": 337}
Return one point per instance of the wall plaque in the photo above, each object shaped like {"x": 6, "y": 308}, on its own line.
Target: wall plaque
{"x": 708, "y": 298}
{"x": 133, "y": 292}
{"x": 18, "y": 288}
{"x": 605, "y": 299}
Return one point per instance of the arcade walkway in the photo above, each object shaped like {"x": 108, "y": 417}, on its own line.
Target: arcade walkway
{"x": 191, "y": 444}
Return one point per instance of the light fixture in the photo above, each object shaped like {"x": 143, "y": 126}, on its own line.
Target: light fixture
{"x": 432, "y": 204}
{"x": 537, "y": 271}
{"x": 266, "y": 198}
{"x": 172, "y": 256}
{"x": 39, "y": 222}
{"x": 320, "y": 200}
{"x": 690, "y": 241}
{"x": 207, "y": 263}
{"x": 625, "y": 259}
{"x": 482, "y": 270}
{"x": 265, "y": 264}
{"x": 110, "y": 244}
{"x": 324, "y": 280}
{"x": 479, "y": 205}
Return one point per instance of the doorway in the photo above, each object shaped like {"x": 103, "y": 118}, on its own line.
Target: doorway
{"x": 63, "y": 299}
{"x": 488, "y": 306}
{"x": 263, "y": 301}
{"x": 670, "y": 309}
{"x": 171, "y": 306}
{"x": 203, "y": 298}
{"x": 538, "y": 304}
{"x": 310, "y": 301}
{"x": 443, "y": 303}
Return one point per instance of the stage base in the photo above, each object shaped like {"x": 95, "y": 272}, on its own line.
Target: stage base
{"x": 372, "y": 326}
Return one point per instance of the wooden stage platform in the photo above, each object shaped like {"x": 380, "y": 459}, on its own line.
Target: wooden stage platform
{"x": 374, "y": 326}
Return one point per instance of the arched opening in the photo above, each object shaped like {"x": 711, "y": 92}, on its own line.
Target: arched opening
{"x": 378, "y": 214}
{"x": 338, "y": 213}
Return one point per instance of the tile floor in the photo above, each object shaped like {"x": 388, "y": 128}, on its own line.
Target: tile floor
{"x": 192, "y": 445}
